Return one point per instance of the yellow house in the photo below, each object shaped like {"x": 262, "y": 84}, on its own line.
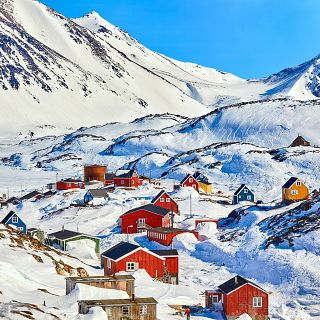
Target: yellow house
{"x": 203, "y": 181}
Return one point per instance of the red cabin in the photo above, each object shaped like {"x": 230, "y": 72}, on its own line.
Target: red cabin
{"x": 165, "y": 236}
{"x": 128, "y": 178}
{"x": 239, "y": 296}
{"x": 190, "y": 181}
{"x": 139, "y": 219}
{"x": 127, "y": 257}
{"x": 162, "y": 199}
{"x": 67, "y": 184}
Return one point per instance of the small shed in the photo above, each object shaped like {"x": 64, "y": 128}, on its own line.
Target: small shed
{"x": 165, "y": 236}
{"x": 204, "y": 183}
{"x": 121, "y": 309}
{"x": 14, "y": 221}
{"x": 96, "y": 196}
{"x": 36, "y": 234}
{"x": 124, "y": 282}
{"x": 243, "y": 194}
{"x": 61, "y": 238}
{"x": 300, "y": 141}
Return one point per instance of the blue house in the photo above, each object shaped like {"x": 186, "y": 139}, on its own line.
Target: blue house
{"x": 13, "y": 220}
{"x": 243, "y": 194}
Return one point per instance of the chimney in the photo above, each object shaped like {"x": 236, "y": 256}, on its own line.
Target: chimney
{"x": 236, "y": 279}
{"x": 133, "y": 297}
{"x": 62, "y": 227}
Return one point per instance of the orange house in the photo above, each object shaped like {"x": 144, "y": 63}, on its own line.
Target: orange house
{"x": 294, "y": 190}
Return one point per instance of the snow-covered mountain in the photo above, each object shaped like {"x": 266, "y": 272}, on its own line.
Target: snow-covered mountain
{"x": 71, "y": 73}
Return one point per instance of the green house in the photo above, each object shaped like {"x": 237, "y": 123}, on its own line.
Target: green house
{"x": 61, "y": 238}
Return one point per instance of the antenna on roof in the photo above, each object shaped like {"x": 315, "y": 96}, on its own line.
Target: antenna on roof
{"x": 63, "y": 227}
{"x": 236, "y": 279}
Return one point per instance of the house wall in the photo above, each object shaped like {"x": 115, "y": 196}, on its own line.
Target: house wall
{"x": 303, "y": 192}
{"x": 152, "y": 220}
{"x": 18, "y": 224}
{"x": 240, "y": 301}
{"x": 166, "y": 238}
{"x": 172, "y": 205}
{"x": 61, "y": 185}
{"x": 208, "y": 298}
{"x": 243, "y": 196}
{"x": 133, "y": 182}
{"x": 191, "y": 184}
{"x": 205, "y": 187}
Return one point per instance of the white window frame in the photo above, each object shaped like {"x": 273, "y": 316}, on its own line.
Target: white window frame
{"x": 249, "y": 197}
{"x": 245, "y": 190}
{"x": 132, "y": 181}
{"x": 294, "y": 192}
{"x": 131, "y": 266}
{"x": 141, "y": 222}
{"x": 257, "y": 302}
{"x": 15, "y": 219}
{"x": 298, "y": 183}
{"x": 20, "y": 228}
{"x": 216, "y": 297}
{"x": 125, "y": 310}
{"x": 122, "y": 182}
{"x": 168, "y": 200}
{"x": 190, "y": 180}
{"x": 161, "y": 199}
{"x": 143, "y": 309}
{"x": 194, "y": 186}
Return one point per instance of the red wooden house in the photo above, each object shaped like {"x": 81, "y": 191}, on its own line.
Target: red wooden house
{"x": 165, "y": 236}
{"x": 67, "y": 184}
{"x": 162, "y": 199}
{"x": 190, "y": 181}
{"x": 239, "y": 296}
{"x": 127, "y": 178}
{"x": 127, "y": 257}
{"x": 139, "y": 219}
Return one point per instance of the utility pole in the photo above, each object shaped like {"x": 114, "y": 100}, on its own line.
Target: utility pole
{"x": 190, "y": 206}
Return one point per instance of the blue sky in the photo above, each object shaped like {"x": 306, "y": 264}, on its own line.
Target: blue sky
{"x": 250, "y": 38}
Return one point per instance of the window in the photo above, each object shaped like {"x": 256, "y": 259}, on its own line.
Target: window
{"x": 109, "y": 264}
{"x": 143, "y": 310}
{"x": 76, "y": 184}
{"x": 294, "y": 192}
{"x": 69, "y": 185}
{"x": 141, "y": 222}
{"x": 194, "y": 186}
{"x": 122, "y": 181}
{"x": 125, "y": 310}
{"x": 245, "y": 190}
{"x": 131, "y": 266}
{"x": 168, "y": 200}
{"x": 132, "y": 181}
{"x": 248, "y": 197}
{"x": 141, "y": 230}
{"x": 161, "y": 200}
{"x": 298, "y": 183}
{"x": 214, "y": 299}
{"x": 257, "y": 302}
{"x": 190, "y": 179}
{"x": 15, "y": 219}
{"x": 20, "y": 228}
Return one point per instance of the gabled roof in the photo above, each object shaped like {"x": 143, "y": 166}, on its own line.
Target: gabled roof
{"x": 151, "y": 208}
{"x": 165, "y": 253}
{"x": 299, "y": 141}
{"x": 201, "y": 177}
{"x": 98, "y": 193}
{"x": 289, "y": 183}
{"x": 109, "y": 176}
{"x": 8, "y": 217}
{"x": 235, "y": 283}
{"x": 161, "y": 193}
{"x": 31, "y": 195}
{"x": 186, "y": 178}
{"x": 240, "y": 189}
{"x": 127, "y": 174}
{"x": 119, "y": 250}
{"x": 67, "y": 234}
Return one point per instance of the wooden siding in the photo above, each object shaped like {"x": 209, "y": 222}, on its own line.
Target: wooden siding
{"x": 302, "y": 192}
{"x": 207, "y": 188}
{"x": 172, "y": 205}
{"x": 191, "y": 182}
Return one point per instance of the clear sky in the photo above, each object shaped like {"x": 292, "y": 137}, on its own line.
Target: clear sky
{"x": 250, "y": 38}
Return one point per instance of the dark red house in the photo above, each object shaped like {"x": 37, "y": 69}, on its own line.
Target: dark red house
{"x": 190, "y": 181}
{"x": 127, "y": 257}
{"x": 238, "y": 296}
{"x": 67, "y": 184}
{"x": 162, "y": 199}
{"x": 165, "y": 236}
{"x": 147, "y": 216}
{"x": 128, "y": 178}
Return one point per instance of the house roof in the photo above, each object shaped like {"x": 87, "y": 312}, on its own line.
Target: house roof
{"x": 289, "y": 183}
{"x": 158, "y": 196}
{"x": 201, "y": 178}
{"x": 30, "y": 195}
{"x": 125, "y": 174}
{"x": 168, "y": 230}
{"x": 67, "y": 234}
{"x": 151, "y": 208}
{"x": 120, "y": 302}
{"x": 186, "y": 178}
{"x": 299, "y": 141}
{"x": 8, "y": 217}
{"x": 109, "y": 176}
{"x": 98, "y": 193}
{"x": 71, "y": 180}
{"x": 235, "y": 283}
{"x": 13, "y": 200}
{"x": 165, "y": 253}
{"x": 119, "y": 250}
{"x": 240, "y": 188}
